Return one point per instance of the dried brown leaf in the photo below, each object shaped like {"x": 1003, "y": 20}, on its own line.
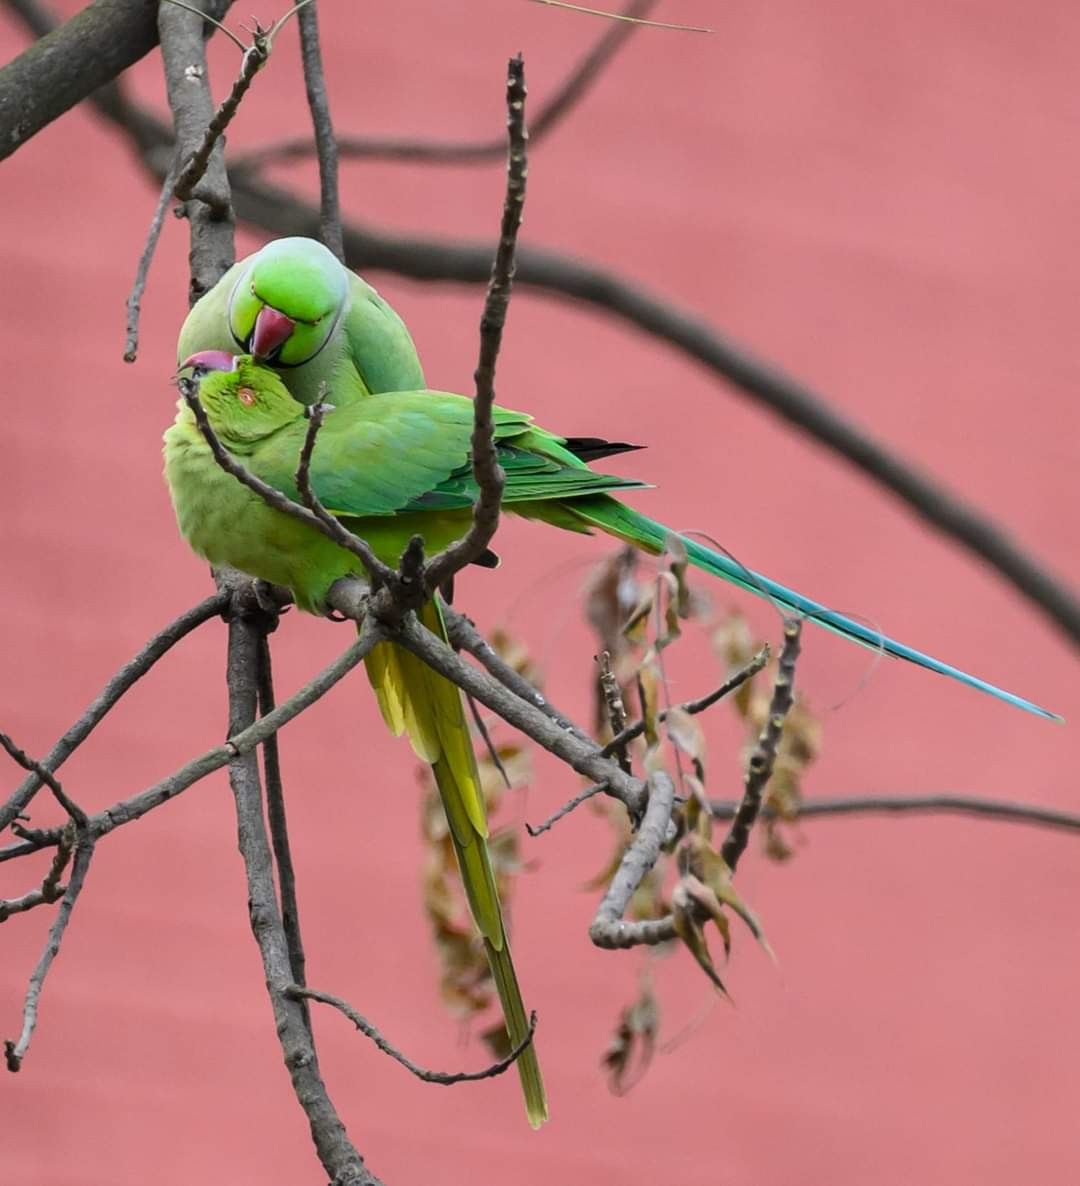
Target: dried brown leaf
{"x": 631, "y": 1048}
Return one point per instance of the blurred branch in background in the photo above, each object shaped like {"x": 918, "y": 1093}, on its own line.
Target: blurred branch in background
{"x": 282, "y": 212}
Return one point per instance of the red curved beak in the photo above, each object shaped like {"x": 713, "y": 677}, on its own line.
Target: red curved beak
{"x": 210, "y": 360}
{"x": 271, "y": 330}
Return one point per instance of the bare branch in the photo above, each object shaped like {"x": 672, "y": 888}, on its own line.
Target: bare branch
{"x": 1012, "y": 812}
{"x": 194, "y": 170}
{"x": 15, "y": 1052}
{"x": 330, "y": 526}
{"x": 693, "y": 707}
{"x": 209, "y": 213}
{"x": 279, "y": 830}
{"x": 72, "y": 61}
{"x": 464, "y": 636}
{"x": 51, "y": 889}
{"x": 485, "y": 459}
{"x": 559, "y": 104}
{"x": 325, "y": 144}
{"x": 444, "y": 1078}
{"x": 583, "y": 797}
{"x": 760, "y": 766}
{"x": 607, "y": 929}
{"x": 47, "y": 777}
{"x": 128, "y": 675}
{"x": 620, "y": 16}
{"x": 338, "y": 1155}
{"x": 584, "y": 757}
{"x": 134, "y": 302}
{"x": 616, "y": 712}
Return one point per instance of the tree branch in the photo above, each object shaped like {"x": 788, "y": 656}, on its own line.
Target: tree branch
{"x": 569, "y": 806}
{"x": 15, "y": 1052}
{"x": 279, "y": 830}
{"x": 760, "y": 767}
{"x": 195, "y": 167}
{"x": 1012, "y": 812}
{"x": 338, "y": 1155}
{"x": 51, "y": 889}
{"x": 72, "y": 61}
{"x": 692, "y": 707}
{"x": 210, "y": 210}
{"x": 24, "y": 760}
{"x": 443, "y": 1078}
{"x": 325, "y": 144}
{"x": 485, "y": 458}
{"x": 465, "y": 152}
{"x": 464, "y": 636}
{"x": 138, "y": 287}
{"x": 607, "y": 929}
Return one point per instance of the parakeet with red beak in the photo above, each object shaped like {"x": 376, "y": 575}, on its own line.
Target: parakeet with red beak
{"x": 295, "y": 308}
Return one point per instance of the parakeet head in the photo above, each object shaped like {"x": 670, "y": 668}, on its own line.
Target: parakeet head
{"x": 244, "y": 401}
{"x": 288, "y": 301}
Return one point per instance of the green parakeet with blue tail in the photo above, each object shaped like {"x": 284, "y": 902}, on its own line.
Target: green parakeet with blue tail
{"x": 393, "y": 461}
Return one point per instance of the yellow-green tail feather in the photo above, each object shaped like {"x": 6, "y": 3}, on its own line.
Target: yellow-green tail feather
{"x": 417, "y": 701}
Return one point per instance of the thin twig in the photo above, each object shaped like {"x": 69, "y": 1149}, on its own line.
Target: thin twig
{"x": 616, "y": 711}
{"x": 434, "y": 152}
{"x": 1010, "y": 811}
{"x": 760, "y": 766}
{"x": 194, "y": 170}
{"x": 23, "y": 759}
{"x": 15, "y": 1052}
{"x": 620, "y": 16}
{"x": 584, "y": 757}
{"x": 50, "y": 888}
{"x": 485, "y": 458}
{"x": 485, "y": 736}
{"x": 583, "y": 797}
{"x": 693, "y": 707}
{"x": 608, "y": 929}
{"x": 325, "y": 144}
{"x": 464, "y": 636}
{"x": 444, "y": 1078}
{"x": 279, "y": 829}
{"x": 134, "y": 302}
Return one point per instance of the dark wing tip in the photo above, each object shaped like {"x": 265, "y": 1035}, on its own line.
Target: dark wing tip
{"x": 594, "y": 448}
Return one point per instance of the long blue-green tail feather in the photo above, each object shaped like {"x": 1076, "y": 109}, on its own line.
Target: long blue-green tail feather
{"x": 619, "y": 520}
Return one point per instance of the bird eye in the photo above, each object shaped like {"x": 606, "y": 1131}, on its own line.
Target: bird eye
{"x": 246, "y": 396}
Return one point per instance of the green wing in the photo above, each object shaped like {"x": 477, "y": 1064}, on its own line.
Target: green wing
{"x": 410, "y": 452}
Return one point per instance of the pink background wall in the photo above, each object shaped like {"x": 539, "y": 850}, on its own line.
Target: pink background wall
{"x": 882, "y": 198}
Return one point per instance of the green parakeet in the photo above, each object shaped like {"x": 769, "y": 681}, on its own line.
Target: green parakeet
{"x": 294, "y": 307}
{"x": 392, "y": 461}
